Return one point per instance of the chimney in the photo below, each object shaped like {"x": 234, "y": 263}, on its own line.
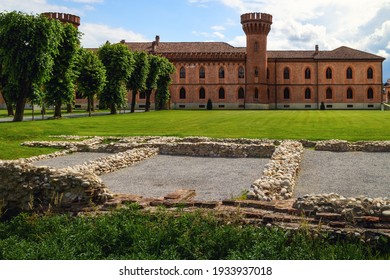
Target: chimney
{"x": 123, "y": 41}
{"x": 317, "y": 49}
{"x": 157, "y": 40}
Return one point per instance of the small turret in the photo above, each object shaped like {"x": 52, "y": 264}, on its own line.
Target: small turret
{"x": 65, "y": 18}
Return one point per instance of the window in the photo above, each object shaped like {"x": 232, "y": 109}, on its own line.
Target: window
{"x": 202, "y": 93}
{"x": 370, "y": 73}
{"x": 241, "y": 72}
{"x": 349, "y": 93}
{"x": 307, "y": 73}
{"x": 267, "y": 73}
{"x": 286, "y": 73}
{"x": 182, "y": 73}
{"x": 349, "y": 73}
{"x": 241, "y": 93}
{"x": 308, "y": 93}
{"x": 221, "y": 73}
{"x": 329, "y": 73}
{"x": 142, "y": 95}
{"x": 256, "y": 46}
{"x": 329, "y": 93}
{"x": 286, "y": 93}
{"x": 370, "y": 94}
{"x": 256, "y": 93}
{"x": 202, "y": 73}
{"x": 182, "y": 93}
{"x": 221, "y": 93}
{"x": 256, "y": 72}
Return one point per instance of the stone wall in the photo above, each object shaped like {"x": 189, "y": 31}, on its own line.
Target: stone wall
{"x": 24, "y": 187}
{"x": 345, "y": 146}
{"x": 279, "y": 175}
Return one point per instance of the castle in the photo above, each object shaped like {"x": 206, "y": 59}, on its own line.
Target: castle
{"x": 254, "y": 77}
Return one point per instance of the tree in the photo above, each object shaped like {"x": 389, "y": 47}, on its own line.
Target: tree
{"x": 119, "y": 63}
{"x": 28, "y": 44}
{"x": 152, "y": 79}
{"x": 60, "y": 88}
{"x": 137, "y": 80}
{"x": 92, "y": 76}
{"x": 163, "y": 83}
{"x": 3, "y": 88}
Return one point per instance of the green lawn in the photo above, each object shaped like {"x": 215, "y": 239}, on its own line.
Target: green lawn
{"x": 311, "y": 125}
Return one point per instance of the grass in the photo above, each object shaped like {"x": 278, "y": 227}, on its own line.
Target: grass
{"x": 132, "y": 234}
{"x": 311, "y": 125}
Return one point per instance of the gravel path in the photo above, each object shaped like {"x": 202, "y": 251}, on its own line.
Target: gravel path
{"x": 211, "y": 178}
{"x": 350, "y": 174}
{"x": 70, "y": 160}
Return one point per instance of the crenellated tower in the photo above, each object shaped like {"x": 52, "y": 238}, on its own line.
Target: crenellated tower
{"x": 65, "y": 18}
{"x": 256, "y": 27}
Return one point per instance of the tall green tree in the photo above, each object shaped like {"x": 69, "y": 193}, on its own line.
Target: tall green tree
{"x": 164, "y": 81}
{"x": 60, "y": 88}
{"x": 119, "y": 64}
{"x": 137, "y": 80}
{"x": 92, "y": 76}
{"x": 152, "y": 79}
{"x": 28, "y": 45}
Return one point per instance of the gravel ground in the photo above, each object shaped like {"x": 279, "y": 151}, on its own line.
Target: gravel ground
{"x": 211, "y": 178}
{"x": 350, "y": 174}
{"x": 70, "y": 160}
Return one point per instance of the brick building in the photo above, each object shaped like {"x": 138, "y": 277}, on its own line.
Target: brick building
{"x": 256, "y": 78}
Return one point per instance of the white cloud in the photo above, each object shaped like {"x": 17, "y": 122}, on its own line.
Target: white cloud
{"x": 96, "y": 35}
{"x": 87, "y": 1}
{"x": 218, "y": 27}
{"x": 35, "y": 7}
{"x": 219, "y": 35}
{"x": 383, "y": 53}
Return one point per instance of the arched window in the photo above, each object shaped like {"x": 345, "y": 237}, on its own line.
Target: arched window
{"x": 241, "y": 73}
{"x": 202, "y": 93}
{"x": 142, "y": 95}
{"x": 329, "y": 73}
{"x": 370, "y": 73}
{"x": 308, "y": 93}
{"x": 202, "y": 73}
{"x": 307, "y": 73}
{"x": 349, "y": 93}
{"x": 241, "y": 93}
{"x": 256, "y": 93}
{"x": 256, "y": 72}
{"x": 256, "y": 46}
{"x": 221, "y": 93}
{"x": 349, "y": 73}
{"x": 286, "y": 93}
{"x": 329, "y": 93}
{"x": 286, "y": 73}
{"x": 221, "y": 73}
{"x": 182, "y": 73}
{"x": 370, "y": 93}
{"x": 182, "y": 93}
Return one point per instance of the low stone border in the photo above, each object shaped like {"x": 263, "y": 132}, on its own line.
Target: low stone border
{"x": 279, "y": 176}
{"x": 345, "y": 146}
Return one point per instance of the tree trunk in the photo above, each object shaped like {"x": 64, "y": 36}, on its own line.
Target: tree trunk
{"x": 113, "y": 109}
{"x": 92, "y": 104}
{"x": 147, "y": 103}
{"x": 134, "y": 95}
{"x": 89, "y": 105}
{"x": 57, "y": 110}
{"x": 19, "y": 109}
{"x": 9, "y": 106}
{"x": 69, "y": 108}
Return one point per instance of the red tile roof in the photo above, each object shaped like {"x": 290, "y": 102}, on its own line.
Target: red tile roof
{"x": 341, "y": 53}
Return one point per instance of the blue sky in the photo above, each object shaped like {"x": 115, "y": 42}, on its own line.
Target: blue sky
{"x": 298, "y": 24}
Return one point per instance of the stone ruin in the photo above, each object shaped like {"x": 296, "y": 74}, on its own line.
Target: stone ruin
{"x": 24, "y": 187}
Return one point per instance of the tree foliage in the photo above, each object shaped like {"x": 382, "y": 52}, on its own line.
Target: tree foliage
{"x": 28, "y": 45}
{"x": 92, "y": 76}
{"x": 60, "y": 88}
{"x": 137, "y": 80}
{"x": 164, "y": 81}
{"x": 119, "y": 64}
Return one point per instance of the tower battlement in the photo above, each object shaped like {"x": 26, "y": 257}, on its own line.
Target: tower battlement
{"x": 256, "y": 23}
{"x": 66, "y": 18}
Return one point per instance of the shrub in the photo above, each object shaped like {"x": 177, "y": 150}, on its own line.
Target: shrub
{"x": 209, "y": 105}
